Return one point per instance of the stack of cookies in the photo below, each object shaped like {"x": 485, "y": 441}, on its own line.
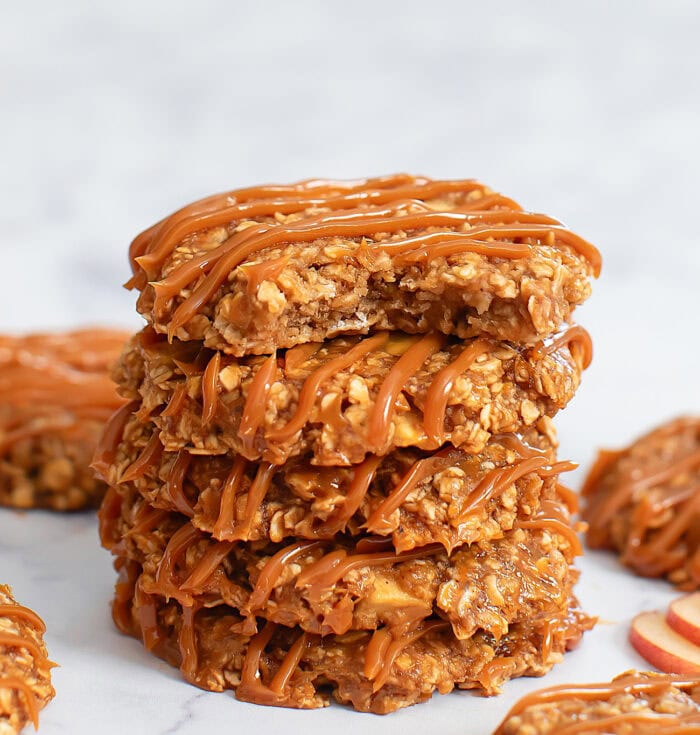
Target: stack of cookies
{"x": 336, "y": 473}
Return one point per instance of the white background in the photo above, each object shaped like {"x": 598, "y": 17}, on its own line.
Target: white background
{"x": 113, "y": 114}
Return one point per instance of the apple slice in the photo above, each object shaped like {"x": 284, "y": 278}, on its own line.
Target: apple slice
{"x": 662, "y": 647}
{"x": 684, "y": 617}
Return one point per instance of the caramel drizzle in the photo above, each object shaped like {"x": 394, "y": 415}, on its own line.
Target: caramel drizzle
{"x": 362, "y": 478}
{"x": 553, "y": 517}
{"x": 626, "y": 684}
{"x": 152, "y": 247}
{"x": 174, "y": 485}
{"x": 384, "y": 649}
{"x": 112, "y": 434}
{"x": 13, "y": 682}
{"x": 206, "y": 566}
{"x": 384, "y": 212}
{"x": 147, "y": 460}
{"x": 18, "y": 612}
{"x": 272, "y": 571}
{"x": 314, "y": 383}
{"x": 327, "y": 571}
{"x": 224, "y": 528}
{"x": 210, "y": 389}
{"x": 187, "y": 642}
{"x": 176, "y": 403}
{"x": 385, "y": 402}
{"x": 251, "y": 687}
{"x": 378, "y": 521}
{"x": 185, "y": 537}
{"x": 253, "y": 412}
{"x": 576, "y": 336}
{"x": 441, "y": 386}
{"x": 147, "y": 616}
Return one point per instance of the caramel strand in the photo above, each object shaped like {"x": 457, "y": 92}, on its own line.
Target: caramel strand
{"x": 575, "y": 335}
{"x": 363, "y": 475}
{"x": 13, "y": 682}
{"x": 272, "y": 570}
{"x": 206, "y": 566}
{"x": 628, "y": 683}
{"x": 148, "y": 459}
{"x": 553, "y": 517}
{"x": 147, "y": 617}
{"x": 251, "y": 687}
{"x": 438, "y": 394}
{"x": 314, "y": 383}
{"x": 422, "y": 469}
{"x": 254, "y": 410}
{"x": 385, "y": 402}
{"x": 210, "y": 389}
{"x": 112, "y": 434}
{"x": 187, "y": 641}
{"x": 174, "y": 484}
{"x": 289, "y": 664}
{"x": 396, "y": 646}
{"x": 176, "y": 403}
{"x": 178, "y": 545}
{"x": 23, "y": 613}
{"x": 224, "y": 528}
{"x": 256, "y": 494}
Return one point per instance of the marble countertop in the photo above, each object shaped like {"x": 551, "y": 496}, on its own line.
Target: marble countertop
{"x": 115, "y": 114}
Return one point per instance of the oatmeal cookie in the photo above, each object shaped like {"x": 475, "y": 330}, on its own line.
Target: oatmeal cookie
{"x": 55, "y": 397}
{"x": 417, "y": 498}
{"x": 25, "y": 670}
{"x": 644, "y": 503}
{"x": 343, "y": 399}
{"x": 633, "y": 703}
{"x": 376, "y": 671}
{"x": 254, "y": 270}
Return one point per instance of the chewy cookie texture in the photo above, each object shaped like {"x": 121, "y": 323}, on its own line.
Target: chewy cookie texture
{"x": 336, "y": 476}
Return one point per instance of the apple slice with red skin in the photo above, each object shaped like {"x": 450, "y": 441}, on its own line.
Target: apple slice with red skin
{"x": 684, "y": 617}
{"x": 662, "y": 647}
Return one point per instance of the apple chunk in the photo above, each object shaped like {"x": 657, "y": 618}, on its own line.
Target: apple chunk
{"x": 684, "y": 617}
{"x": 662, "y": 647}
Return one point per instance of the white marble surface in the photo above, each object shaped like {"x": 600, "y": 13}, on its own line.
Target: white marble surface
{"x": 113, "y": 114}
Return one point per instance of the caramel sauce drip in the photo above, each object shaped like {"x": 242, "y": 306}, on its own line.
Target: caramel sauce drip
{"x": 147, "y": 617}
{"x": 385, "y": 402}
{"x": 254, "y": 410}
{"x": 179, "y": 543}
{"x": 382, "y": 657}
{"x": 224, "y": 528}
{"x": 174, "y": 485}
{"x": 176, "y": 403}
{"x": 625, "y": 684}
{"x": 147, "y": 460}
{"x": 210, "y": 389}
{"x": 206, "y": 566}
{"x": 358, "y": 209}
{"x": 187, "y": 641}
{"x": 266, "y": 271}
{"x": 575, "y": 336}
{"x": 252, "y": 689}
{"x": 256, "y": 495}
{"x": 112, "y": 434}
{"x": 553, "y": 517}
{"x": 363, "y": 475}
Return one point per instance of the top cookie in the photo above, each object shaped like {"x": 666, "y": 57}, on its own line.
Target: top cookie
{"x": 257, "y": 269}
